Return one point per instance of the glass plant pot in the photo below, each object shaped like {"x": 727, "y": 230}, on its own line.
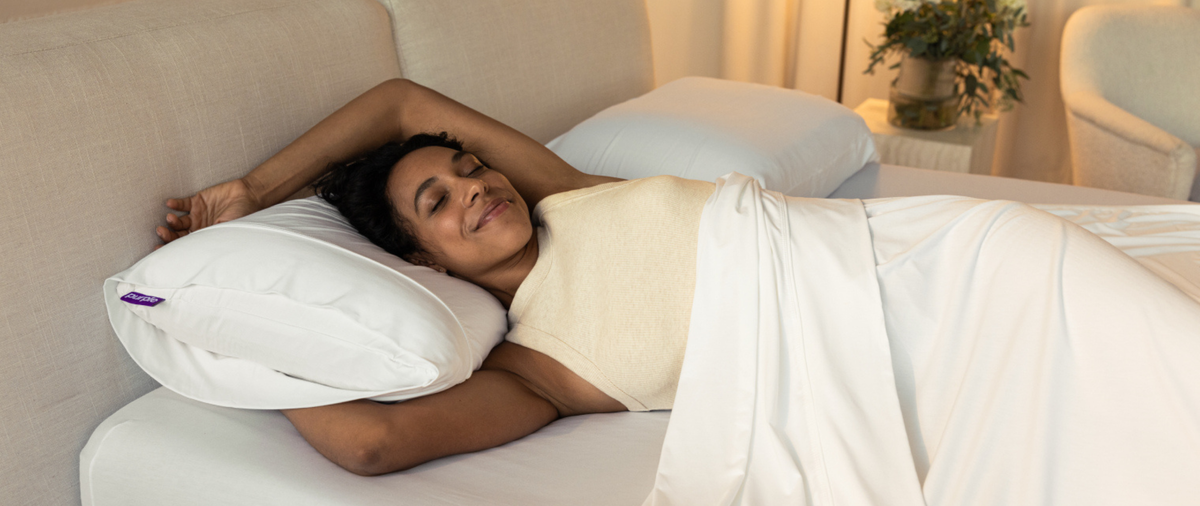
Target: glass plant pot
{"x": 922, "y": 96}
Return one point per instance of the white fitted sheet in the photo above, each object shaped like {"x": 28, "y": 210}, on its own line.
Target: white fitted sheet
{"x": 166, "y": 449}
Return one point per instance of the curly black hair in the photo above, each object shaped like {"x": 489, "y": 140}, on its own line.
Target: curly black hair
{"x": 358, "y": 188}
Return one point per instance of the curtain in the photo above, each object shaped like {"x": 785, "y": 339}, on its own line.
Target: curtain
{"x": 788, "y": 43}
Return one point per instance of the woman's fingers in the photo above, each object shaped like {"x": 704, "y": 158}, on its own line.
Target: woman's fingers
{"x": 168, "y": 235}
{"x": 164, "y": 234}
{"x": 184, "y": 205}
{"x": 181, "y": 223}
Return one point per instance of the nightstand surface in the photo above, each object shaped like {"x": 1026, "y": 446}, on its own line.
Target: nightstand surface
{"x": 964, "y": 148}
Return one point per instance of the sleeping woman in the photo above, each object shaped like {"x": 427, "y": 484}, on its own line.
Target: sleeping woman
{"x": 461, "y": 204}
{"x": 944, "y": 349}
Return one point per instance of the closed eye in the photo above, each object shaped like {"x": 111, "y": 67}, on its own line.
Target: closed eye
{"x": 437, "y": 205}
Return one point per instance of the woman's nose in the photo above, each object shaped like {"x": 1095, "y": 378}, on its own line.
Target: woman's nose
{"x": 476, "y": 189}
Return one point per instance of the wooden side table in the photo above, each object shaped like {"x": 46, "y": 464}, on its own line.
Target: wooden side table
{"x": 964, "y": 148}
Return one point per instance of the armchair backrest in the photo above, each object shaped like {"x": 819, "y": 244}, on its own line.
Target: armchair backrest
{"x": 1143, "y": 59}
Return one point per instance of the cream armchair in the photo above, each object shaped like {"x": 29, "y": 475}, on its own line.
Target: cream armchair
{"x": 1131, "y": 84}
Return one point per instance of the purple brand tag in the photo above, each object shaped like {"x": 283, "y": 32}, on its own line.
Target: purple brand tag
{"x": 141, "y": 299}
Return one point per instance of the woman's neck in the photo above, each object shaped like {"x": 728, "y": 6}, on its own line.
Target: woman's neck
{"x": 503, "y": 280}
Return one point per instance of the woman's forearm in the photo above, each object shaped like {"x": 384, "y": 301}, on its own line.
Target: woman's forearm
{"x": 364, "y": 123}
{"x": 490, "y": 408}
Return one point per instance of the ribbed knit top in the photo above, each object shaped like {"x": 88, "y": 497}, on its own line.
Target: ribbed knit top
{"x": 610, "y": 296}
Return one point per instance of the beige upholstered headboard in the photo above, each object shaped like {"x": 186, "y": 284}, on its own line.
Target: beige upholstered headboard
{"x": 107, "y": 112}
{"x": 103, "y": 115}
{"x": 540, "y": 66}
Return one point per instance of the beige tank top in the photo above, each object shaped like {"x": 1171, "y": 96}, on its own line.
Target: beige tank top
{"x": 610, "y": 296}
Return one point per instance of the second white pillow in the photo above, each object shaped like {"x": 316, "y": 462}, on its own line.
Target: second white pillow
{"x": 701, "y": 128}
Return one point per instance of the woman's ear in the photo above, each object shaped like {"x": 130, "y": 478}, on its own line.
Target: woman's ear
{"x": 419, "y": 259}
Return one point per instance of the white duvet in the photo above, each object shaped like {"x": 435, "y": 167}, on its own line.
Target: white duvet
{"x": 928, "y": 350}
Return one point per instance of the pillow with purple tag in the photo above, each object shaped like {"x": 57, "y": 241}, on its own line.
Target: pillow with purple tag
{"x": 291, "y": 307}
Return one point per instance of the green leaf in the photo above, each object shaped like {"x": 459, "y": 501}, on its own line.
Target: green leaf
{"x": 917, "y": 46}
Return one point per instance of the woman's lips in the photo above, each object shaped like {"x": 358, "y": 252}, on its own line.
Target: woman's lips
{"x": 494, "y": 208}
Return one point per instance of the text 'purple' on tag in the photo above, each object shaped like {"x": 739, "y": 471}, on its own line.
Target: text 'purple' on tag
{"x": 142, "y": 299}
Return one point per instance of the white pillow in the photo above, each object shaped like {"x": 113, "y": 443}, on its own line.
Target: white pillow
{"x": 290, "y": 307}
{"x": 701, "y": 128}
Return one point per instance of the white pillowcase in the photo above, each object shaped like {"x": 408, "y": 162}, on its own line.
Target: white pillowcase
{"x": 701, "y": 128}
{"x": 291, "y": 307}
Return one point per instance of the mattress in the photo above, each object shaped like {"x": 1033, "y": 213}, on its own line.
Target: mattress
{"x": 166, "y": 449}
{"x": 877, "y": 180}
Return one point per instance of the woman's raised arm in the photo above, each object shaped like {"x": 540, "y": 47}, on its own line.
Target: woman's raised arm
{"x": 364, "y": 123}
{"x": 534, "y": 171}
{"x": 393, "y": 110}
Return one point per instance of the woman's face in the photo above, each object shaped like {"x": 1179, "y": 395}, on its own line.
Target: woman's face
{"x": 468, "y": 218}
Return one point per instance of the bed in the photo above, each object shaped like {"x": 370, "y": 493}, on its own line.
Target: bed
{"x": 164, "y": 448}
{"x": 529, "y": 64}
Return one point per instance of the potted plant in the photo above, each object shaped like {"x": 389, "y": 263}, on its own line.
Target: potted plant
{"x": 952, "y": 59}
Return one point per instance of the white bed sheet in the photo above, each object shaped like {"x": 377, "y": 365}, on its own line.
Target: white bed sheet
{"x": 1164, "y": 239}
{"x": 166, "y": 449}
{"x": 1033, "y": 363}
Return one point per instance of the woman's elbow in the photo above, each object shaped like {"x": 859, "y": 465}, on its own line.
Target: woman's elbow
{"x": 358, "y": 436}
{"x": 363, "y": 461}
{"x": 396, "y": 86}
{"x": 374, "y": 465}
{"x": 374, "y": 456}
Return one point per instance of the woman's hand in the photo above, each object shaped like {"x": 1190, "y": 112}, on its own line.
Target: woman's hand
{"x": 216, "y": 204}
